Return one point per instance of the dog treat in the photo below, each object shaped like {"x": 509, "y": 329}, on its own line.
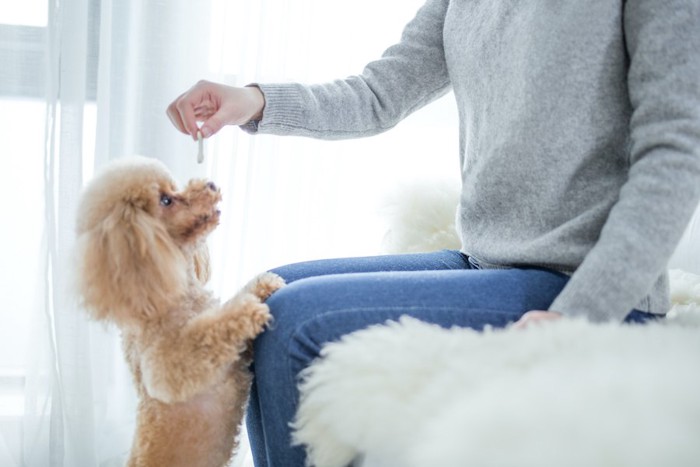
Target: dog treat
{"x": 200, "y": 142}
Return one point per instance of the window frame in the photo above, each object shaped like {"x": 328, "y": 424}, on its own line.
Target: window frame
{"x": 23, "y": 49}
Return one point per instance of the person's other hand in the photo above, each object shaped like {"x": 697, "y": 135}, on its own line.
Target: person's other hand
{"x": 215, "y": 105}
{"x": 536, "y": 316}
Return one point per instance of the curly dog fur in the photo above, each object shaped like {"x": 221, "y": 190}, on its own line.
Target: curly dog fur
{"x": 143, "y": 264}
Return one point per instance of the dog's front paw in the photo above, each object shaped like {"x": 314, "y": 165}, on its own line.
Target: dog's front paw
{"x": 264, "y": 285}
{"x": 247, "y": 315}
{"x": 259, "y": 316}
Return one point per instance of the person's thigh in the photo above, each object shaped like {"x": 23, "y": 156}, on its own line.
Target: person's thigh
{"x": 328, "y": 307}
{"x": 322, "y": 308}
{"x": 438, "y": 260}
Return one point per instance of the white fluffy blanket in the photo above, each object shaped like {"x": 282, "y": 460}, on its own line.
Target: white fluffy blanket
{"x": 567, "y": 393}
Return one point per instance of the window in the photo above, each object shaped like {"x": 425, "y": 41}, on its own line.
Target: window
{"x": 23, "y": 64}
{"x": 22, "y": 38}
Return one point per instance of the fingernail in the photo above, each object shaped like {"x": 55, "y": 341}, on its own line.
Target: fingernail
{"x": 206, "y": 132}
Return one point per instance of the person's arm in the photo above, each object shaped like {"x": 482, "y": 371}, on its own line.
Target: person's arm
{"x": 663, "y": 189}
{"x": 409, "y": 75}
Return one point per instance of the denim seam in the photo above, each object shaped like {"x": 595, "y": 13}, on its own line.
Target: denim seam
{"x": 384, "y": 308}
{"x": 316, "y": 317}
{"x": 294, "y": 378}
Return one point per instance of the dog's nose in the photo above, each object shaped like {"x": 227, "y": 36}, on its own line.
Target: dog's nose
{"x": 211, "y": 186}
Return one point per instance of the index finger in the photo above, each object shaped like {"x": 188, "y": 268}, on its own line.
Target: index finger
{"x": 185, "y": 109}
{"x": 174, "y": 116}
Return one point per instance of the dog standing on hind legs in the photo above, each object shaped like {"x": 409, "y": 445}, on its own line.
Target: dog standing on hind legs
{"x": 142, "y": 265}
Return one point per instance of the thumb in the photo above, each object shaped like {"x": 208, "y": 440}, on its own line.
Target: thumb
{"x": 212, "y": 125}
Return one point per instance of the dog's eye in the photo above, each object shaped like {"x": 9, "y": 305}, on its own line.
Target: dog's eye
{"x": 166, "y": 200}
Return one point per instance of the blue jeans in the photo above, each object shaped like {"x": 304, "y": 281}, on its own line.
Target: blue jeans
{"x": 327, "y": 299}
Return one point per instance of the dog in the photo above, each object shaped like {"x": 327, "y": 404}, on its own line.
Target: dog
{"x": 142, "y": 266}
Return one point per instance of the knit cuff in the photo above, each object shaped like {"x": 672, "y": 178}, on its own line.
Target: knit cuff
{"x": 282, "y": 113}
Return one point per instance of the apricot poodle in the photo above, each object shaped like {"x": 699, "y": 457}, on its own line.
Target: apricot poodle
{"x": 143, "y": 264}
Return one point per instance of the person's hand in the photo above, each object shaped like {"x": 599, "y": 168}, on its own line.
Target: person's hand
{"x": 536, "y": 316}
{"x": 215, "y": 105}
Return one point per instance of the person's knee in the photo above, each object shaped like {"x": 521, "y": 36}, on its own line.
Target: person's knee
{"x": 287, "y": 304}
{"x": 297, "y": 271}
{"x": 290, "y": 307}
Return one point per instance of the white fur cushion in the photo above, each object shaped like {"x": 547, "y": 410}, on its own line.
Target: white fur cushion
{"x": 568, "y": 393}
{"x": 421, "y": 217}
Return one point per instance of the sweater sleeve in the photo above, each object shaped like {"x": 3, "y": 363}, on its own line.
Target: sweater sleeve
{"x": 663, "y": 188}
{"x": 408, "y": 76}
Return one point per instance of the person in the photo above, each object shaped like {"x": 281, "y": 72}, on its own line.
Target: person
{"x": 580, "y": 164}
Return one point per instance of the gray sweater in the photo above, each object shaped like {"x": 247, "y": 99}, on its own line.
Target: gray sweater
{"x": 579, "y": 133}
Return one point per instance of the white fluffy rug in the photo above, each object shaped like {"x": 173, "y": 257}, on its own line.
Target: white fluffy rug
{"x": 564, "y": 394}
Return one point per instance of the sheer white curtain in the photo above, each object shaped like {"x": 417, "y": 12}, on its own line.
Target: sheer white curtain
{"x": 86, "y": 81}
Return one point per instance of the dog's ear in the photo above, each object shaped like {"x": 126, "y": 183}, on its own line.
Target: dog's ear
{"x": 202, "y": 269}
{"x": 129, "y": 268}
